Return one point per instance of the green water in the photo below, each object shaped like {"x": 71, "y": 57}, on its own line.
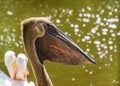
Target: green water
{"x": 93, "y": 24}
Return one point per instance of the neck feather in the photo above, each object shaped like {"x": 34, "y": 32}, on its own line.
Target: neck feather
{"x": 39, "y": 70}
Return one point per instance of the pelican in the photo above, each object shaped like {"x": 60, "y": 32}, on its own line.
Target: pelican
{"x": 21, "y": 71}
{"x": 44, "y": 41}
{"x": 9, "y": 60}
{"x": 17, "y": 69}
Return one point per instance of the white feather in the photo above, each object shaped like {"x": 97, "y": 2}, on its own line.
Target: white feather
{"x": 21, "y": 60}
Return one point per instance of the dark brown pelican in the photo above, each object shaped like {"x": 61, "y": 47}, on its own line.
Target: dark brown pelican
{"x": 44, "y": 41}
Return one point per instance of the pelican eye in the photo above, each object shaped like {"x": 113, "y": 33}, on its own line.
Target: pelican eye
{"x": 49, "y": 27}
{"x": 46, "y": 25}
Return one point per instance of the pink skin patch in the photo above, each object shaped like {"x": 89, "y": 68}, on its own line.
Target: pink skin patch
{"x": 15, "y": 72}
{"x": 57, "y": 48}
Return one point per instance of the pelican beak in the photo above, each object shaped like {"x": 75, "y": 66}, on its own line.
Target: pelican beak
{"x": 15, "y": 72}
{"x": 66, "y": 40}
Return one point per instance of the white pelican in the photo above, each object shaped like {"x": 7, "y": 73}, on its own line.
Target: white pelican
{"x": 20, "y": 71}
{"x": 17, "y": 69}
{"x": 10, "y": 60}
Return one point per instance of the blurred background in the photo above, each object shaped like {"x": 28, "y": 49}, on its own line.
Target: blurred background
{"x": 93, "y": 25}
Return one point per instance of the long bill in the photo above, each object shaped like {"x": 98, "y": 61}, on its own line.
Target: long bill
{"x": 68, "y": 42}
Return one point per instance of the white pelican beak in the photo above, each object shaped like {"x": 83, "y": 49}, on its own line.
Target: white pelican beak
{"x": 19, "y": 74}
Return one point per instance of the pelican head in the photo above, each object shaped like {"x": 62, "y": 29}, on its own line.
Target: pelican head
{"x": 21, "y": 58}
{"x": 10, "y": 59}
{"x": 16, "y": 66}
{"x": 51, "y": 43}
{"x": 20, "y": 71}
{"x": 44, "y": 41}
